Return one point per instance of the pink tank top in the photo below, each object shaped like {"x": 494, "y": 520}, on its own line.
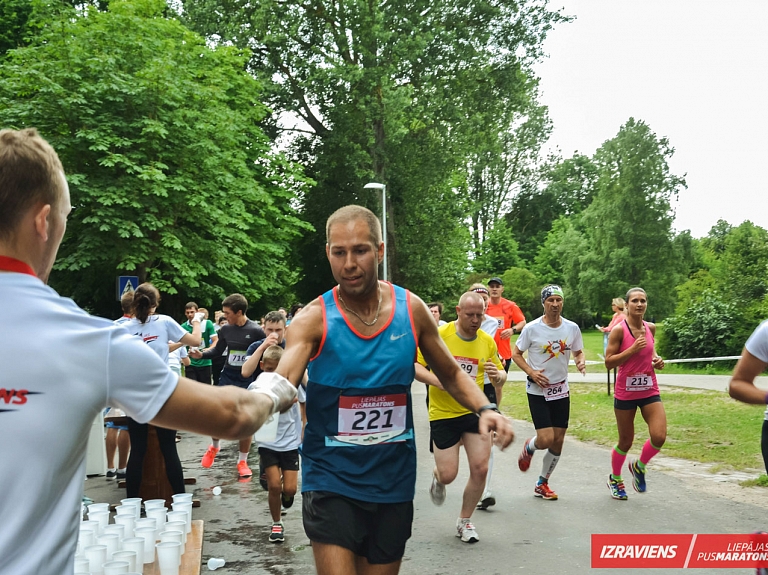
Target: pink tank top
{"x": 636, "y": 378}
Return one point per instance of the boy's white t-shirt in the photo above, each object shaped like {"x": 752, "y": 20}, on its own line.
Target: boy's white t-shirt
{"x": 757, "y": 345}
{"x": 288, "y": 427}
{"x": 549, "y": 349}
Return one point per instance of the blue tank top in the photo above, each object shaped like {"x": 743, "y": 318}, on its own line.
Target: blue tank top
{"x": 359, "y": 439}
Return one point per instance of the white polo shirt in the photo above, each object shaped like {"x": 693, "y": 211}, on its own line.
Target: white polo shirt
{"x": 60, "y": 368}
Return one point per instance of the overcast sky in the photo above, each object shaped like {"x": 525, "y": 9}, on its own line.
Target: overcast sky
{"x": 694, "y": 71}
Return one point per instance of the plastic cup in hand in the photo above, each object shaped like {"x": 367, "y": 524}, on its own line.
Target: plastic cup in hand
{"x": 115, "y": 567}
{"x": 158, "y": 514}
{"x": 169, "y": 557}
{"x": 136, "y": 544}
{"x": 178, "y": 526}
{"x": 128, "y": 522}
{"x": 112, "y": 542}
{"x": 148, "y": 535}
{"x": 97, "y": 556}
{"x": 268, "y": 431}
{"x": 215, "y": 562}
{"x": 129, "y": 556}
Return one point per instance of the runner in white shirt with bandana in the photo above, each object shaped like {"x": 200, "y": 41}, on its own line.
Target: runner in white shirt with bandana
{"x": 549, "y": 340}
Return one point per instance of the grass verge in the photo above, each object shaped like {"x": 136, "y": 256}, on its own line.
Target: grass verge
{"x": 705, "y": 426}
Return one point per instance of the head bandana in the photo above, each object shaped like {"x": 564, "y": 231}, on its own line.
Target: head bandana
{"x": 480, "y": 290}
{"x": 551, "y": 290}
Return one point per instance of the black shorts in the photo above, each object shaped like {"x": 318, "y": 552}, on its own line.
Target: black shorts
{"x": 285, "y": 460}
{"x": 201, "y": 374}
{"x": 635, "y": 403}
{"x": 490, "y": 392}
{"x": 376, "y": 531}
{"x": 445, "y": 433}
{"x": 507, "y": 363}
{"x": 555, "y": 413}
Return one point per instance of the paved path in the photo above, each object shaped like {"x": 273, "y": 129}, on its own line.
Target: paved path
{"x": 522, "y": 534}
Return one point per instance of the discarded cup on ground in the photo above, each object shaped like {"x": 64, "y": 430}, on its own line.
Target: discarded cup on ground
{"x": 216, "y": 490}
{"x": 215, "y": 562}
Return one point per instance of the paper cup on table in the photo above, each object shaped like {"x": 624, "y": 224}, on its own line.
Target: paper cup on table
{"x": 148, "y": 535}
{"x": 115, "y": 567}
{"x": 187, "y": 508}
{"x": 128, "y": 522}
{"x": 268, "y": 431}
{"x": 116, "y": 528}
{"x": 111, "y": 541}
{"x": 136, "y": 544}
{"x": 129, "y": 556}
{"x": 178, "y": 526}
{"x": 169, "y": 557}
{"x": 97, "y": 556}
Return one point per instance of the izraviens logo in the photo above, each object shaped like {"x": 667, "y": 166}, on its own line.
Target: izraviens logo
{"x": 674, "y": 551}
{"x": 14, "y": 397}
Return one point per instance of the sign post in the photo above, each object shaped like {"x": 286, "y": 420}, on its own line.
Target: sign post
{"x": 126, "y": 284}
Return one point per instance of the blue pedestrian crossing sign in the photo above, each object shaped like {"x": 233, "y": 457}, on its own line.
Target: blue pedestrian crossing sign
{"x": 126, "y": 284}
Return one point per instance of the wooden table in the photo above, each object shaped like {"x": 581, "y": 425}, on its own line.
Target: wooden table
{"x": 193, "y": 553}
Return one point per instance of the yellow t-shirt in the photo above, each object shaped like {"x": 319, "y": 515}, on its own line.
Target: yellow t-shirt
{"x": 471, "y": 357}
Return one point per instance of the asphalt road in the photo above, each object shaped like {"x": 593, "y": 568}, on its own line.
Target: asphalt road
{"x": 521, "y": 534}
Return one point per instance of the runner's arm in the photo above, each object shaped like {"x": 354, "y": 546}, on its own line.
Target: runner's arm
{"x": 425, "y": 376}
{"x": 218, "y": 349}
{"x": 302, "y": 342}
{"x": 613, "y": 358}
{"x": 742, "y": 385}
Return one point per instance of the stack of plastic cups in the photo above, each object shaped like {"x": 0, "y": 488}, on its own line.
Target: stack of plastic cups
{"x": 169, "y": 557}
{"x": 136, "y": 544}
{"x": 115, "y": 567}
{"x": 129, "y": 556}
{"x": 97, "y": 556}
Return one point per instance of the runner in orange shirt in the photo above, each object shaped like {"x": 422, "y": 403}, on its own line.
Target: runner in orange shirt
{"x": 510, "y": 317}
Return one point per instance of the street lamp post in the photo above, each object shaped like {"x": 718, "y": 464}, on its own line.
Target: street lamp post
{"x": 383, "y": 188}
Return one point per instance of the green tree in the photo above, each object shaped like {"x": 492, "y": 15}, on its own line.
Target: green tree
{"x": 628, "y": 225}
{"x": 524, "y": 288}
{"x": 170, "y": 175}
{"x": 498, "y": 251}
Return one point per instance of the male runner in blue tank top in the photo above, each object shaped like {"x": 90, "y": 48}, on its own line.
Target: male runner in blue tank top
{"x": 358, "y": 342}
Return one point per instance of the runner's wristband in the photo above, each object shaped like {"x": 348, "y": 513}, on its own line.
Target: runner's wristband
{"x": 490, "y": 406}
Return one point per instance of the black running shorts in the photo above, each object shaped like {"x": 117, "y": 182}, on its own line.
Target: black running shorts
{"x": 376, "y": 531}
{"x": 635, "y": 403}
{"x": 545, "y": 413}
{"x": 445, "y": 433}
{"x": 285, "y": 460}
{"x": 490, "y": 392}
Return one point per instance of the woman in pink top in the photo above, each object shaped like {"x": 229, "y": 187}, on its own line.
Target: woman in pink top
{"x": 631, "y": 349}
{"x": 618, "y": 306}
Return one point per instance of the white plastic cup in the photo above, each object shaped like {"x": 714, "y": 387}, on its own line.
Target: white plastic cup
{"x": 147, "y": 522}
{"x": 169, "y": 557}
{"x": 91, "y": 526}
{"x": 215, "y": 562}
{"x": 186, "y": 507}
{"x": 178, "y": 526}
{"x": 116, "y": 528}
{"x": 135, "y": 501}
{"x": 152, "y": 503}
{"x": 216, "y": 491}
{"x": 126, "y": 509}
{"x": 112, "y": 542}
{"x": 82, "y": 565}
{"x": 97, "y": 556}
{"x": 101, "y": 517}
{"x": 87, "y": 537}
{"x": 136, "y": 544}
{"x": 158, "y": 514}
{"x": 268, "y": 431}
{"x": 173, "y": 535}
{"x": 116, "y": 567}
{"x": 128, "y": 522}
{"x": 98, "y": 507}
{"x": 128, "y": 556}
{"x": 180, "y": 497}
{"x": 148, "y": 534}
{"x": 182, "y": 516}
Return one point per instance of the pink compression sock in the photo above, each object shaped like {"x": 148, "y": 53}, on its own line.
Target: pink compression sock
{"x": 617, "y": 461}
{"x": 648, "y": 452}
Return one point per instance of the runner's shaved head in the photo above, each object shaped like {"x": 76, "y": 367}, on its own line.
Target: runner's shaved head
{"x": 351, "y": 213}
{"x": 471, "y": 297}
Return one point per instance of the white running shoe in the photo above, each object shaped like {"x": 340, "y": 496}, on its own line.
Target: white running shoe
{"x": 466, "y": 531}
{"x": 437, "y": 491}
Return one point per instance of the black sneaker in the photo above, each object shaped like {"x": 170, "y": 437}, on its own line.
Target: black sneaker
{"x": 287, "y": 501}
{"x": 278, "y": 534}
{"x": 120, "y": 475}
{"x": 111, "y": 474}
